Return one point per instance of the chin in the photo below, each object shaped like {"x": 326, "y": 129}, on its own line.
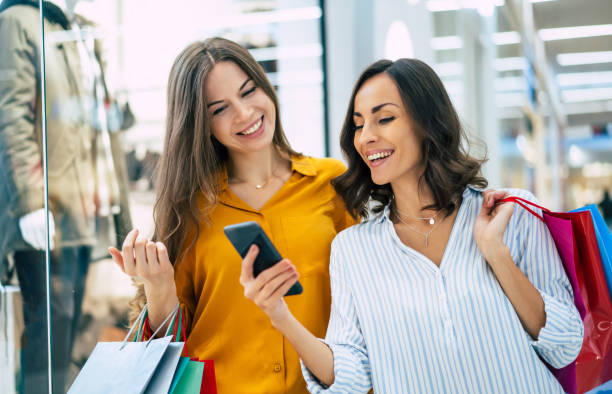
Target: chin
{"x": 379, "y": 180}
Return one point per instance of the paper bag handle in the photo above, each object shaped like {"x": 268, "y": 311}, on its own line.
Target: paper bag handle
{"x": 523, "y": 203}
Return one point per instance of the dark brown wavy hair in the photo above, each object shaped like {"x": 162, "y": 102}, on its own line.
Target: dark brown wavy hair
{"x": 193, "y": 161}
{"x": 448, "y": 167}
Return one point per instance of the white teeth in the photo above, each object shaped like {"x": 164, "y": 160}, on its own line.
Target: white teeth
{"x": 253, "y": 128}
{"x": 379, "y": 155}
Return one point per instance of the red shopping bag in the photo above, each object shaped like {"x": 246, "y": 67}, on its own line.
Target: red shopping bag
{"x": 582, "y": 262}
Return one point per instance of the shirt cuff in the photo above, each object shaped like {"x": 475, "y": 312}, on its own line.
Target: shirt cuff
{"x": 560, "y": 340}
{"x": 351, "y": 375}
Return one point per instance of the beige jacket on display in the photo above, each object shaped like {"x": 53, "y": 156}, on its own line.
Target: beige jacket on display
{"x": 71, "y": 138}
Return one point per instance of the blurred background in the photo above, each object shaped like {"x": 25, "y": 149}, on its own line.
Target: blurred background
{"x": 530, "y": 78}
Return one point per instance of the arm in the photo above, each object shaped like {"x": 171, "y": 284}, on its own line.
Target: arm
{"x": 534, "y": 282}
{"x": 19, "y": 145}
{"x": 267, "y": 291}
{"x": 340, "y": 364}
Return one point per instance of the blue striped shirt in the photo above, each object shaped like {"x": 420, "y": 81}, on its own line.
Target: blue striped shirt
{"x": 399, "y": 323}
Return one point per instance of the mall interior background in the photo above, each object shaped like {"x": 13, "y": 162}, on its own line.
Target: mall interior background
{"x": 532, "y": 79}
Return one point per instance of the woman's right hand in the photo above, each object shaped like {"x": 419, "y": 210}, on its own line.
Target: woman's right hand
{"x": 145, "y": 261}
{"x": 269, "y": 287}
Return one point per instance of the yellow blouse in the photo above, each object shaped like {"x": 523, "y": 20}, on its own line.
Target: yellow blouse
{"x": 301, "y": 219}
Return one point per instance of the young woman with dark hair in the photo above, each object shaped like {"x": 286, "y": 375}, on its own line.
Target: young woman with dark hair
{"x": 443, "y": 290}
{"x": 226, "y": 160}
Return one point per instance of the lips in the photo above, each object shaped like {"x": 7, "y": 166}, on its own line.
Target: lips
{"x": 253, "y": 128}
{"x": 378, "y": 157}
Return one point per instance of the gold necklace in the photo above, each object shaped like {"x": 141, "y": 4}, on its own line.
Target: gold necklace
{"x": 426, "y": 235}
{"x": 257, "y": 186}
{"x": 431, "y": 219}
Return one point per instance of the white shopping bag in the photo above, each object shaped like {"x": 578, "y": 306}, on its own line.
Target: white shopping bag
{"x": 129, "y": 367}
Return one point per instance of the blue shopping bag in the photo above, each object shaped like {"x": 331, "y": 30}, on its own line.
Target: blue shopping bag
{"x": 605, "y": 388}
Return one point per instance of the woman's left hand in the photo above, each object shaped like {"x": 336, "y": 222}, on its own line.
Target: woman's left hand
{"x": 491, "y": 223}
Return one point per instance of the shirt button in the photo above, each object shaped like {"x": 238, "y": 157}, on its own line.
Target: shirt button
{"x": 277, "y": 367}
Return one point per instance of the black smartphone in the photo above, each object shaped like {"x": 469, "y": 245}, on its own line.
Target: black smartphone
{"x": 243, "y": 235}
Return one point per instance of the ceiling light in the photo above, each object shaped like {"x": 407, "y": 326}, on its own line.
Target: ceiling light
{"x": 448, "y": 42}
{"x": 287, "y": 52}
{"x": 263, "y": 18}
{"x": 587, "y": 94}
{"x": 572, "y": 59}
{"x": 510, "y": 84}
{"x": 510, "y": 63}
{"x": 566, "y": 33}
{"x": 449, "y": 69}
{"x": 453, "y": 5}
{"x": 506, "y": 37}
{"x": 585, "y": 78}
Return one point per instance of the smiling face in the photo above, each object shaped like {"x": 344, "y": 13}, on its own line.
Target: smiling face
{"x": 242, "y": 115}
{"x": 385, "y": 135}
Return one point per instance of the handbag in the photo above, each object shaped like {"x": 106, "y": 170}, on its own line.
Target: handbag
{"x": 130, "y": 367}
{"x": 581, "y": 257}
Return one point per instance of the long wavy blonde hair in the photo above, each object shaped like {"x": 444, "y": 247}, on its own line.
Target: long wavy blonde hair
{"x": 193, "y": 161}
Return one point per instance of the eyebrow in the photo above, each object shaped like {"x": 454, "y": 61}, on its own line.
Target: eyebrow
{"x": 375, "y": 109}
{"x": 220, "y": 101}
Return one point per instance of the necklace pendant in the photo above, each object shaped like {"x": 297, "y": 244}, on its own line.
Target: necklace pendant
{"x": 432, "y": 221}
{"x": 258, "y": 186}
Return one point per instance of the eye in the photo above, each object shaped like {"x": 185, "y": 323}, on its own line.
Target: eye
{"x": 358, "y": 127}
{"x": 387, "y": 120}
{"x": 219, "y": 110}
{"x": 251, "y": 90}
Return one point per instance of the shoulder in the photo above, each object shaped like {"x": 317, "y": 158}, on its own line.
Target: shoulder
{"x": 360, "y": 233}
{"x": 474, "y": 192}
{"x": 21, "y": 15}
{"x": 328, "y": 166}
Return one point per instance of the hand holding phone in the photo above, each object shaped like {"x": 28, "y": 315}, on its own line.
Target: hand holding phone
{"x": 243, "y": 235}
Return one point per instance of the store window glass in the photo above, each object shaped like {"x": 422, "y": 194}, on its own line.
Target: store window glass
{"x": 107, "y": 70}
{"x": 24, "y": 317}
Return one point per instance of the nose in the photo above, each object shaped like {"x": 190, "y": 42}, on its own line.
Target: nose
{"x": 243, "y": 112}
{"x": 367, "y": 135}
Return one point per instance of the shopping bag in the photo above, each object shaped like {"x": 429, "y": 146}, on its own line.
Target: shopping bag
{"x": 190, "y": 379}
{"x": 605, "y": 388}
{"x": 604, "y": 241}
{"x": 193, "y": 376}
{"x": 591, "y": 369}
{"x": 11, "y": 329}
{"x": 129, "y": 367}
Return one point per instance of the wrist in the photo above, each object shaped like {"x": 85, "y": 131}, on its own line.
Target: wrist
{"x": 496, "y": 254}
{"x": 282, "y": 321}
{"x": 160, "y": 293}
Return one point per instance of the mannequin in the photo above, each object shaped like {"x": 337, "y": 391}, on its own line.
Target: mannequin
{"x": 74, "y": 154}
{"x": 32, "y": 225}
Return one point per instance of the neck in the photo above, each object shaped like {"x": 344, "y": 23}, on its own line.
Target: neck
{"x": 255, "y": 168}
{"x": 410, "y": 198}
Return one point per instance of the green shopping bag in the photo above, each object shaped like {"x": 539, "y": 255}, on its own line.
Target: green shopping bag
{"x": 189, "y": 380}
{"x": 192, "y": 376}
